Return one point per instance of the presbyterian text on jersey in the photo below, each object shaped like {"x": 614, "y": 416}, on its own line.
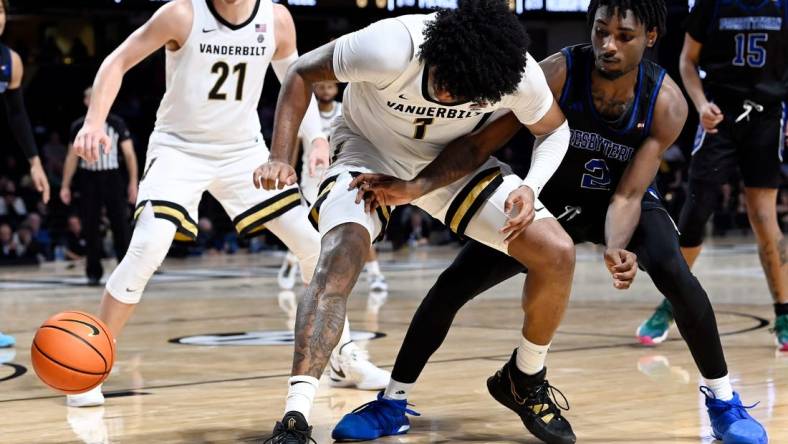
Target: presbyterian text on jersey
{"x": 594, "y": 142}
{"x": 252, "y": 51}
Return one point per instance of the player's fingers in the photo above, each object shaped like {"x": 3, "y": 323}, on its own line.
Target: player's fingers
{"x": 510, "y": 202}
{"x": 622, "y": 285}
{"x": 626, "y": 275}
{"x": 360, "y": 193}
{"x": 44, "y": 189}
{"x": 105, "y": 143}
{"x": 256, "y": 178}
{"x": 715, "y": 109}
{"x": 358, "y": 181}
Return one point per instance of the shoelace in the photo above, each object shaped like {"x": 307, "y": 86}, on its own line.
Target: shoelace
{"x": 544, "y": 393}
{"x": 725, "y": 406}
{"x": 749, "y": 106}
{"x": 378, "y": 415}
{"x": 282, "y": 436}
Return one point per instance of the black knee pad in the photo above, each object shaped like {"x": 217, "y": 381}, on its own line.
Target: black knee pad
{"x": 702, "y": 200}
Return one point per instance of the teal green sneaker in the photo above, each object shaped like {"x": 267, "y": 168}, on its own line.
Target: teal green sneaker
{"x": 781, "y": 330}
{"x": 655, "y": 329}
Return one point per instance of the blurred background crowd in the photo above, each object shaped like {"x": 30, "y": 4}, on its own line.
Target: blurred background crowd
{"x": 61, "y": 57}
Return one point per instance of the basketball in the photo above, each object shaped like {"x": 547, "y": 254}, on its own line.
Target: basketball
{"x": 73, "y": 352}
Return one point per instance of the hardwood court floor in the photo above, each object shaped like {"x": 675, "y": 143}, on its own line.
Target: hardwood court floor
{"x": 170, "y": 392}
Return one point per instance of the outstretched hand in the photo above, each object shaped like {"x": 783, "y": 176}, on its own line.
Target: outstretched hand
{"x": 377, "y": 190}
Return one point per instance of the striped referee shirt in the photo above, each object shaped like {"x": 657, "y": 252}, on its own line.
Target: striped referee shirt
{"x": 117, "y": 131}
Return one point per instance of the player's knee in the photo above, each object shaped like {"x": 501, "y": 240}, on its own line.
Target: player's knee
{"x": 149, "y": 245}
{"x": 761, "y": 218}
{"x": 557, "y": 255}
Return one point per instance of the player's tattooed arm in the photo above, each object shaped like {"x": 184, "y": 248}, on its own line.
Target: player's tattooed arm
{"x": 623, "y": 213}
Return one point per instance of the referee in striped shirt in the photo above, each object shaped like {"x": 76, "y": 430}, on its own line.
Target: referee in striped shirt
{"x": 101, "y": 185}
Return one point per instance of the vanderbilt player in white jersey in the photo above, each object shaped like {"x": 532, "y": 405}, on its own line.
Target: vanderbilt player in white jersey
{"x": 313, "y": 163}
{"x": 416, "y": 83}
{"x": 206, "y": 136}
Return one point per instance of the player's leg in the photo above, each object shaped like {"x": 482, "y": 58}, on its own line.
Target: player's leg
{"x": 656, "y": 243}
{"x": 117, "y": 213}
{"x": 92, "y": 184}
{"x": 167, "y": 208}
{"x": 375, "y": 278}
{"x": 476, "y": 269}
{"x": 760, "y": 161}
{"x": 347, "y": 233}
{"x": 713, "y": 159}
{"x": 476, "y": 210}
{"x": 773, "y": 253}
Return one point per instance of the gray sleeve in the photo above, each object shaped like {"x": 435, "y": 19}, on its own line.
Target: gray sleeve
{"x": 377, "y": 54}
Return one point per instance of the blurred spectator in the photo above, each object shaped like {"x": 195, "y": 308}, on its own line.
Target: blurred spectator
{"x": 208, "y": 240}
{"x": 28, "y": 249}
{"x": 7, "y": 246}
{"x": 12, "y": 207}
{"x": 76, "y": 246}
{"x": 40, "y": 234}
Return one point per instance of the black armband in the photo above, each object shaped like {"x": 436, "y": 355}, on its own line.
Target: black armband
{"x": 19, "y": 122}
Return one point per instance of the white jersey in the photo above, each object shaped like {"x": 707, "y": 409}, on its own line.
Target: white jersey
{"x": 215, "y": 79}
{"x": 387, "y": 100}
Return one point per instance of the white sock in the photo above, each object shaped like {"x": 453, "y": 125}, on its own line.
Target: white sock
{"x": 721, "y": 387}
{"x": 531, "y": 357}
{"x": 397, "y": 390}
{"x": 301, "y": 394}
{"x": 373, "y": 267}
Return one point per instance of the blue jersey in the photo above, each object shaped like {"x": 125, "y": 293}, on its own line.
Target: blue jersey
{"x": 599, "y": 150}
{"x": 745, "y": 43}
{"x": 5, "y": 67}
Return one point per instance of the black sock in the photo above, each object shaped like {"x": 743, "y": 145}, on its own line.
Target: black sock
{"x": 781, "y": 309}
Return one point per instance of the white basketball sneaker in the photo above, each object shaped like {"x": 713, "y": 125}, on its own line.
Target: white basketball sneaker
{"x": 90, "y": 398}
{"x": 377, "y": 282}
{"x": 288, "y": 272}
{"x": 351, "y": 368}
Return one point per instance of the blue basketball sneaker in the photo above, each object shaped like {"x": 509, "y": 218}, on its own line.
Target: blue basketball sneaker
{"x": 730, "y": 422}
{"x": 654, "y": 330}
{"x": 6, "y": 340}
{"x": 381, "y": 417}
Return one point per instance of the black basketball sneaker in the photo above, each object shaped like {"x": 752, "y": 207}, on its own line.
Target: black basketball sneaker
{"x": 292, "y": 430}
{"x": 530, "y": 397}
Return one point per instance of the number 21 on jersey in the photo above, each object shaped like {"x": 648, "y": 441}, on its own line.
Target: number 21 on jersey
{"x": 223, "y": 69}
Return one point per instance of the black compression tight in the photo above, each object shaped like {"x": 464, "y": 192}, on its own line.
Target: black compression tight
{"x": 478, "y": 268}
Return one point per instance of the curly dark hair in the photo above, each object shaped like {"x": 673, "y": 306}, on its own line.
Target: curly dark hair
{"x": 478, "y": 50}
{"x": 652, "y": 13}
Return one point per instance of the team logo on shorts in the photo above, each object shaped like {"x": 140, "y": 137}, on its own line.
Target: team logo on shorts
{"x": 272, "y": 337}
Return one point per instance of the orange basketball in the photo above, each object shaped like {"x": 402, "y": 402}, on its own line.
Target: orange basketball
{"x": 73, "y": 352}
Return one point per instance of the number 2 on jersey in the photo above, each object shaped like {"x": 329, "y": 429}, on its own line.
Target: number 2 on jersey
{"x": 598, "y": 177}
{"x": 223, "y": 69}
{"x": 421, "y": 127}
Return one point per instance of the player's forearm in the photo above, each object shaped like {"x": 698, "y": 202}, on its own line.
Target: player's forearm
{"x": 294, "y": 98}
{"x": 623, "y": 215}
{"x": 19, "y": 123}
{"x": 692, "y": 83}
{"x": 105, "y": 90}
{"x": 549, "y": 151}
